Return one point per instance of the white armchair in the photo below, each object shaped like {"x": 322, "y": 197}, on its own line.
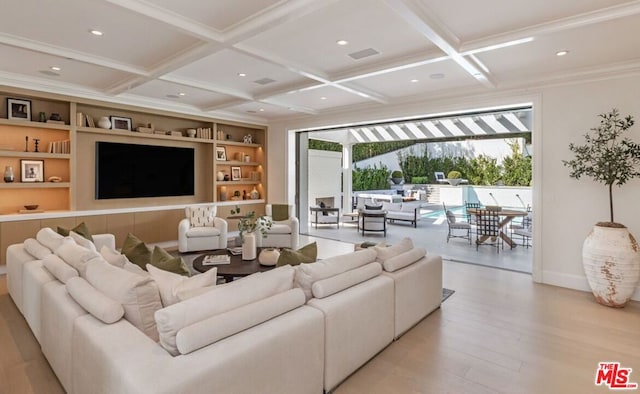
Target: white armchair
{"x": 283, "y": 233}
{"x": 201, "y": 230}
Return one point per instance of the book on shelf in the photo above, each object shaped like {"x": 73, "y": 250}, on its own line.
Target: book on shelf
{"x": 216, "y": 259}
{"x": 235, "y": 251}
{"x": 59, "y": 146}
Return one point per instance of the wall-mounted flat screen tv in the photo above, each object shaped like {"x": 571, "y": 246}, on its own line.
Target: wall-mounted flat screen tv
{"x": 135, "y": 171}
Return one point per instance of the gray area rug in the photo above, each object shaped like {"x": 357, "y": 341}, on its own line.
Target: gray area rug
{"x": 446, "y": 293}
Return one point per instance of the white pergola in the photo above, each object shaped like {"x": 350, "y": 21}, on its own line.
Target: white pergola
{"x": 491, "y": 124}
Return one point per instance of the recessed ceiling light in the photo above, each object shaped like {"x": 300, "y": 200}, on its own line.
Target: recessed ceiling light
{"x": 323, "y": 98}
{"x": 436, "y": 76}
{"x": 182, "y": 94}
{"x": 95, "y": 32}
{"x": 55, "y": 68}
{"x": 242, "y": 74}
{"x": 261, "y": 110}
{"x": 562, "y": 53}
{"x": 342, "y": 42}
{"x": 415, "y": 80}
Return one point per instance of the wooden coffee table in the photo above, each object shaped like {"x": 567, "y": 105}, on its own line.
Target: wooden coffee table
{"x": 237, "y": 267}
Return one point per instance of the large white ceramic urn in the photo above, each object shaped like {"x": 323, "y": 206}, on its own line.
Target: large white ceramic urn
{"x": 611, "y": 261}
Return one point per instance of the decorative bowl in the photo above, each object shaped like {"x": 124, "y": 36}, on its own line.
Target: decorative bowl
{"x": 31, "y": 207}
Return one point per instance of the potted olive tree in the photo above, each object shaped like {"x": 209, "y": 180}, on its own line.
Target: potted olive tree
{"x": 610, "y": 255}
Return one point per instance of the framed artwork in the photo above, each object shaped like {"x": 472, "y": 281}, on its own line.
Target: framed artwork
{"x": 18, "y": 109}
{"x": 32, "y": 170}
{"x": 120, "y": 123}
{"x": 236, "y": 173}
{"x": 221, "y": 153}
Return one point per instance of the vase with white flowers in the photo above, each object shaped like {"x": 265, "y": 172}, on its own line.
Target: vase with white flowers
{"x": 248, "y": 226}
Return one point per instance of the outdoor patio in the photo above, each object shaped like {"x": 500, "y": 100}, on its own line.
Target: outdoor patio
{"x": 431, "y": 234}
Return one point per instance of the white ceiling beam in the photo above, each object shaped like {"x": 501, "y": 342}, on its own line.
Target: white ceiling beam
{"x": 426, "y": 23}
{"x": 305, "y": 72}
{"x": 272, "y": 17}
{"x": 289, "y": 106}
{"x": 224, "y": 104}
{"x": 185, "y": 25}
{"x": 214, "y": 88}
{"x": 36, "y": 46}
{"x": 571, "y": 22}
{"x": 389, "y": 67}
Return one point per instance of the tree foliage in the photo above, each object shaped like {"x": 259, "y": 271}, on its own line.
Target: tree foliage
{"x": 517, "y": 168}
{"x": 606, "y": 156}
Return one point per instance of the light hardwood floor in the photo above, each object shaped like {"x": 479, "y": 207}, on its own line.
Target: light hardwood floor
{"x": 499, "y": 332}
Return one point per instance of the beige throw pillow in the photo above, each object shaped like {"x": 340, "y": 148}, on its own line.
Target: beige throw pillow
{"x": 171, "y": 284}
{"x": 201, "y": 216}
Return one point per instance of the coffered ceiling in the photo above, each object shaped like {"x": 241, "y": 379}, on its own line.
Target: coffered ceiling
{"x": 263, "y": 60}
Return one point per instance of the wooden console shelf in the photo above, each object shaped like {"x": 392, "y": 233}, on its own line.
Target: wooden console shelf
{"x": 35, "y": 185}
{"x": 136, "y": 134}
{"x": 38, "y": 125}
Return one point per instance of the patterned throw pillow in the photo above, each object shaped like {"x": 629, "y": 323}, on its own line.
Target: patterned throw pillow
{"x": 201, "y": 216}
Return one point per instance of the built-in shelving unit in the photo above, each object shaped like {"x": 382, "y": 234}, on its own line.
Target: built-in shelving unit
{"x": 76, "y": 189}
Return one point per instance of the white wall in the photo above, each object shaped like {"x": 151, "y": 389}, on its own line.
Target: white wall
{"x": 325, "y": 180}
{"x": 564, "y": 209}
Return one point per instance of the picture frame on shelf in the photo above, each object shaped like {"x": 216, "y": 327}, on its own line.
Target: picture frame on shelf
{"x": 18, "y": 109}
{"x": 31, "y": 171}
{"x": 236, "y": 173}
{"x": 221, "y": 153}
{"x": 120, "y": 123}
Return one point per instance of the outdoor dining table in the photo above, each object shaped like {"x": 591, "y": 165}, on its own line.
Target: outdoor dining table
{"x": 506, "y": 215}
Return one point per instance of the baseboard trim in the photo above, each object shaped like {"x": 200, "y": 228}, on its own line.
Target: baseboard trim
{"x": 576, "y": 282}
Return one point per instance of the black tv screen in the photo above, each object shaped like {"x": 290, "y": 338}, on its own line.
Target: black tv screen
{"x": 134, "y": 171}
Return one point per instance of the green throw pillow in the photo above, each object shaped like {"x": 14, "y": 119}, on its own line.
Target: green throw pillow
{"x": 306, "y": 254}
{"x": 81, "y": 229}
{"x": 136, "y": 251}
{"x": 279, "y": 212}
{"x": 163, "y": 260}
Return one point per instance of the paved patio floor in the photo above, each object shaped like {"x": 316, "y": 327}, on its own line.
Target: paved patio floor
{"x": 431, "y": 233}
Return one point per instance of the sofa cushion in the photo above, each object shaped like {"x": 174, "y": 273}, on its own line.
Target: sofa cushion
{"x": 136, "y": 251}
{"x": 385, "y": 253}
{"x": 326, "y": 287}
{"x": 220, "y": 299}
{"x": 195, "y": 232}
{"x": 138, "y": 294}
{"x": 280, "y": 228}
{"x": 201, "y": 216}
{"x": 35, "y": 248}
{"x": 170, "y": 284}
{"x": 76, "y": 256}
{"x": 217, "y": 327}
{"x": 307, "y": 274}
{"x": 82, "y": 241}
{"x": 113, "y": 257}
{"x": 404, "y": 259}
{"x": 388, "y": 206}
{"x": 306, "y": 254}
{"x": 190, "y": 293}
{"x": 163, "y": 260}
{"x": 93, "y": 301}
{"x": 58, "y": 268}
{"x": 49, "y": 238}
{"x": 81, "y": 229}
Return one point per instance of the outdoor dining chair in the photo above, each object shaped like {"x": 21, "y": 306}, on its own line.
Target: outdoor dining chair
{"x": 457, "y": 228}
{"x": 488, "y": 229}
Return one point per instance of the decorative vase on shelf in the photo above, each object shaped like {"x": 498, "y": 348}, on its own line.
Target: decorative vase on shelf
{"x": 249, "y": 246}
{"x": 104, "y": 123}
{"x": 220, "y": 176}
{"x": 8, "y": 174}
{"x": 254, "y": 195}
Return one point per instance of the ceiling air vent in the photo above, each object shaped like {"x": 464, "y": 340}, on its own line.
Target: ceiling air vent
{"x": 363, "y": 53}
{"x": 264, "y": 81}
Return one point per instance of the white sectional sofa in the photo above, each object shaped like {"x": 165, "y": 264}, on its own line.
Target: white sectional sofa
{"x": 288, "y": 330}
